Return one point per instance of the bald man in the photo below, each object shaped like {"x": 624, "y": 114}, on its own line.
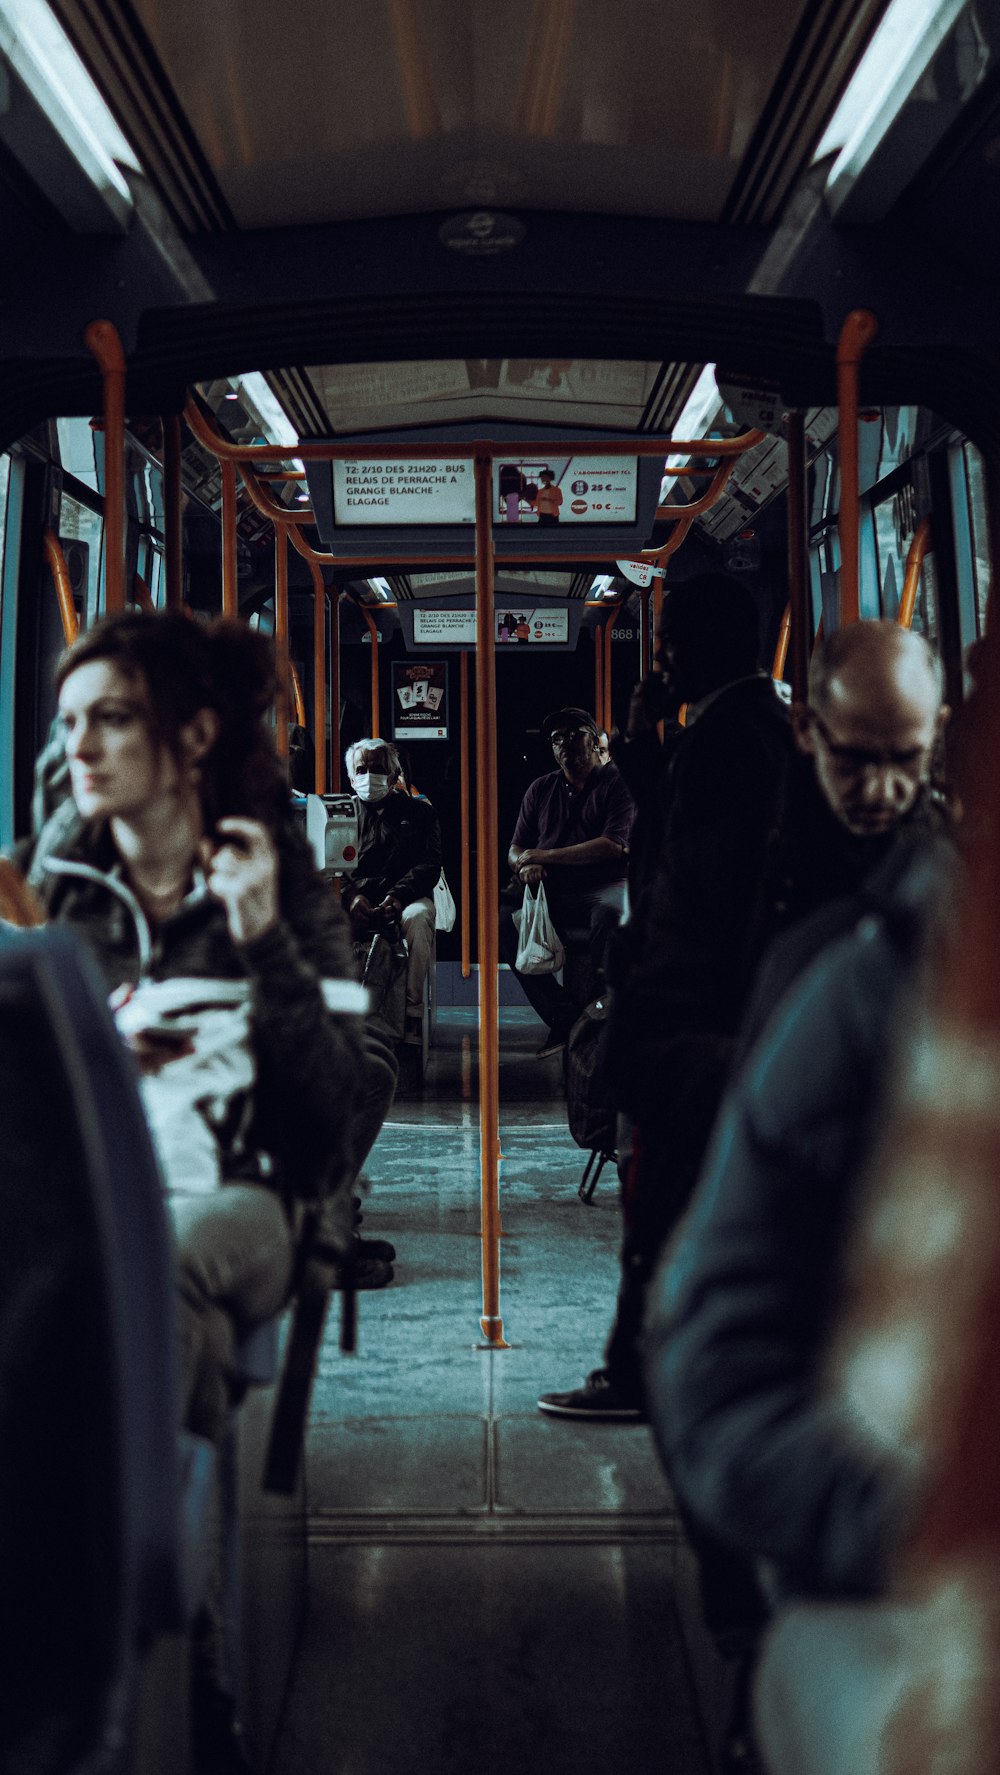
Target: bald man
{"x": 873, "y": 719}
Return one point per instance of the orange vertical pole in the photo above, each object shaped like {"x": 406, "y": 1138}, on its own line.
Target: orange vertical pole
{"x": 173, "y": 513}
{"x": 373, "y": 632}
{"x": 487, "y": 880}
{"x": 335, "y": 778}
{"x": 230, "y": 593}
{"x": 101, "y": 338}
{"x": 781, "y": 648}
{"x": 799, "y": 601}
{"x": 319, "y": 677}
{"x": 856, "y": 334}
{"x": 465, "y": 894}
{"x": 281, "y": 636}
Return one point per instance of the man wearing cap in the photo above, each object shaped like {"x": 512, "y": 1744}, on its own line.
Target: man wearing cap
{"x": 572, "y": 833}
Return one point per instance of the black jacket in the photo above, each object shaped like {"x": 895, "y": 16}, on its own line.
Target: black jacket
{"x": 680, "y": 976}
{"x": 399, "y": 851}
{"x": 758, "y": 1451}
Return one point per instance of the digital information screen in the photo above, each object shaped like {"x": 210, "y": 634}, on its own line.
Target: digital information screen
{"x": 455, "y": 627}
{"x": 563, "y": 490}
{"x": 540, "y": 490}
{"x": 420, "y": 700}
{"x": 410, "y": 493}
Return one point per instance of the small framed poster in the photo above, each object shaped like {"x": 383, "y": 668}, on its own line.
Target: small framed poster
{"x": 420, "y": 699}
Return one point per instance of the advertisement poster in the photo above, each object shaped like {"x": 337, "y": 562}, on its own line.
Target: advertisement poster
{"x": 557, "y": 490}
{"x": 420, "y": 700}
{"x": 519, "y": 628}
{"x": 417, "y": 492}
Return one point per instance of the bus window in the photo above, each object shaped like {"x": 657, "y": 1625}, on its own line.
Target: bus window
{"x": 77, "y": 523}
{"x": 975, "y": 482}
{"x": 76, "y": 450}
{"x": 4, "y": 481}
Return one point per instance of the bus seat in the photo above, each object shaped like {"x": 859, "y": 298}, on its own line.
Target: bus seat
{"x": 88, "y": 1352}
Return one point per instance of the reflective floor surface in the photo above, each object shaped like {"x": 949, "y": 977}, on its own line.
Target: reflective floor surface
{"x": 490, "y": 1589}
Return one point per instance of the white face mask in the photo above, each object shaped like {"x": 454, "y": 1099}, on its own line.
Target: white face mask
{"x": 369, "y": 787}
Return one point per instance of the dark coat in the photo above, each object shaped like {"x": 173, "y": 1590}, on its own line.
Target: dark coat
{"x": 307, "y": 1060}
{"x": 679, "y": 995}
{"x": 742, "y": 1310}
{"x": 399, "y": 851}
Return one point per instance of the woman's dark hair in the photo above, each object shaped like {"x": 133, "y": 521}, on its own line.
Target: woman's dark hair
{"x": 186, "y": 666}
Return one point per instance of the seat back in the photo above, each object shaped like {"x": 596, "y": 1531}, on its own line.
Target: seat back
{"x": 88, "y": 1360}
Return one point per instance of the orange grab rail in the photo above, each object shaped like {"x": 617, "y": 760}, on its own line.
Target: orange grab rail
{"x": 56, "y": 560}
{"x": 230, "y": 591}
{"x": 598, "y": 670}
{"x": 856, "y": 334}
{"x": 281, "y": 636}
{"x": 298, "y": 700}
{"x": 781, "y": 650}
{"x": 19, "y": 905}
{"x": 488, "y": 874}
{"x": 921, "y": 546}
{"x": 101, "y": 339}
{"x": 373, "y": 632}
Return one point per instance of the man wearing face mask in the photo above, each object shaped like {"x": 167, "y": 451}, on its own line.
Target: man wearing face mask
{"x": 399, "y": 861}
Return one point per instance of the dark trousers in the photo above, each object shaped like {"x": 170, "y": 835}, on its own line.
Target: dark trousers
{"x": 587, "y": 918}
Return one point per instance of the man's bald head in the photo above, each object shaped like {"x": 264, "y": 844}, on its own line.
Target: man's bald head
{"x": 873, "y": 718}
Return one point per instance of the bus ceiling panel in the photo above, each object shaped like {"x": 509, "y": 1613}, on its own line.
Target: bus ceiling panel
{"x": 438, "y": 104}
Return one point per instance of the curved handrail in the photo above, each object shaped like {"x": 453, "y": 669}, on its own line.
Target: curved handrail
{"x": 921, "y": 546}
{"x": 56, "y": 560}
{"x": 781, "y": 650}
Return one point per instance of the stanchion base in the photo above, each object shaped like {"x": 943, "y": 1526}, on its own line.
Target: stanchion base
{"x": 492, "y": 1330}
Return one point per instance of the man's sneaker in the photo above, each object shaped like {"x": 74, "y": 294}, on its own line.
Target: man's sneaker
{"x": 554, "y": 1043}
{"x": 597, "y": 1398}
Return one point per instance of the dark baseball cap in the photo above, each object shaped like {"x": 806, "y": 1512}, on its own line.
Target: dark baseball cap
{"x": 568, "y": 718}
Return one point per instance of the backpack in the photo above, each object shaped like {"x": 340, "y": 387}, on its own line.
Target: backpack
{"x": 589, "y": 1110}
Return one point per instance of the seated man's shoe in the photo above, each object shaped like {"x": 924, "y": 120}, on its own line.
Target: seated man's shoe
{"x": 364, "y": 1273}
{"x": 377, "y": 1248}
{"x": 599, "y": 1397}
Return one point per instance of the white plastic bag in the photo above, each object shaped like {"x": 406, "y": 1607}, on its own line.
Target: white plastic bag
{"x": 444, "y": 905}
{"x": 539, "y": 950}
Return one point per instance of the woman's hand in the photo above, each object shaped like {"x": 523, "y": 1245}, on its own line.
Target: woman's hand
{"x": 242, "y": 872}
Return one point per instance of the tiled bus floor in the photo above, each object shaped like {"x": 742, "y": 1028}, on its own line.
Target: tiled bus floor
{"x": 491, "y": 1589}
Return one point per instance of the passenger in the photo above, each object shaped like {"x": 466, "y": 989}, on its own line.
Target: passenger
{"x": 603, "y": 747}
{"x": 399, "y": 861}
{"x": 759, "y": 1451}
{"x": 572, "y": 833}
{"x": 184, "y": 871}
{"x": 754, "y": 841}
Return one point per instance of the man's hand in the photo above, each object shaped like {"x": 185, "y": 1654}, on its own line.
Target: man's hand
{"x": 242, "y": 872}
{"x": 530, "y": 874}
{"x": 360, "y": 912}
{"x": 388, "y": 910}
